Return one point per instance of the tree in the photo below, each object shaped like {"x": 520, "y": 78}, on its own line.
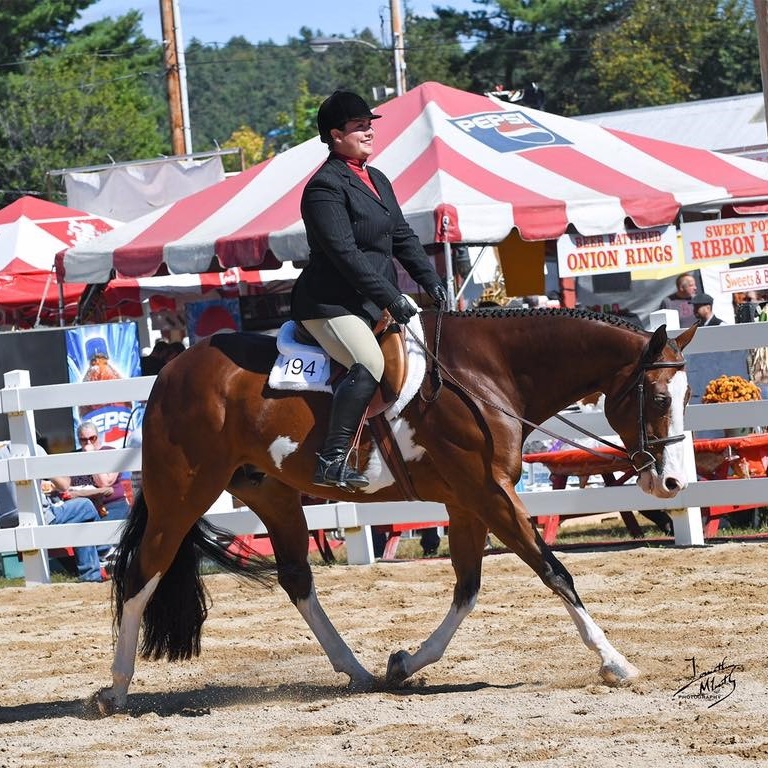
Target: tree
{"x": 34, "y": 27}
{"x": 67, "y": 111}
{"x": 666, "y": 51}
{"x": 250, "y": 143}
{"x": 547, "y": 42}
{"x": 81, "y": 97}
{"x": 433, "y": 53}
{"x": 305, "y": 114}
{"x": 238, "y": 84}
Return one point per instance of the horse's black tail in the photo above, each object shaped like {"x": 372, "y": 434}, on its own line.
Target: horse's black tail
{"x": 173, "y": 618}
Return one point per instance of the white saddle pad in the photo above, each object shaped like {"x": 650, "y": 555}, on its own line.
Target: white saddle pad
{"x": 301, "y": 367}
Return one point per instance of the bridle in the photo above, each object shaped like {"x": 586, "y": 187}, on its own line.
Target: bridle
{"x": 639, "y": 459}
{"x": 642, "y": 458}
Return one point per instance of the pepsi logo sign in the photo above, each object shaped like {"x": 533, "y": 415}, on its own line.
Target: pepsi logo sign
{"x": 508, "y": 131}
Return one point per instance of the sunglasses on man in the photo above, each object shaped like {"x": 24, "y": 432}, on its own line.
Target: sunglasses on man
{"x": 89, "y": 439}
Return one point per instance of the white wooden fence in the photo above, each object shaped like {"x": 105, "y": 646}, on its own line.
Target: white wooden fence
{"x": 32, "y": 537}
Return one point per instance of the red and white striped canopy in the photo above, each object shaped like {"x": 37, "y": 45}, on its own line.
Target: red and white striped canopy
{"x": 32, "y": 231}
{"x": 123, "y": 297}
{"x": 465, "y": 168}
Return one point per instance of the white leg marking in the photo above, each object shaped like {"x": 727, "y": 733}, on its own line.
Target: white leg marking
{"x": 281, "y": 448}
{"x": 338, "y": 652}
{"x": 115, "y": 698}
{"x": 614, "y": 669}
{"x": 403, "y": 664}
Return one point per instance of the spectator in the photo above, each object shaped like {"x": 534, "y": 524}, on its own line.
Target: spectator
{"x": 154, "y": 361}
{"x": 702, "y": 310}
{"x": 175, "y": 348}
{"x": 748, "y": 309}
{"x": 106, "y": 489}
{"x": 680, "y": 300}
{"x": 430, "y": 541}
{"x": 56, "y": 511}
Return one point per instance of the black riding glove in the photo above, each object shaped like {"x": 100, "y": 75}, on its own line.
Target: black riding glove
{"x": 401, "y": 309}
{"x": 438, "y": 294}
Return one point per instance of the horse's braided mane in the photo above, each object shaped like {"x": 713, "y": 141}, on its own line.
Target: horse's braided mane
{"x": 581, "y": 314}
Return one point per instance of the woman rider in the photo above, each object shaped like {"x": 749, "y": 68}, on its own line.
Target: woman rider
{"x": 354, "y": 228}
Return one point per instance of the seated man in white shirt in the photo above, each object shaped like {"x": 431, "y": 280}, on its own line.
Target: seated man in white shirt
{"x": 56, "y": 512}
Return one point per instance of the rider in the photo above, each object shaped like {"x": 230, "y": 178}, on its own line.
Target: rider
{"x": 354, "y": 228}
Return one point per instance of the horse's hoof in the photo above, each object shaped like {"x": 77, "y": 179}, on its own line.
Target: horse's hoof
{"x": 397, "y": 668}
{"x": 362, "y": 685}
{"x": 617, "y": 674}
{"x": 103, "y": 704}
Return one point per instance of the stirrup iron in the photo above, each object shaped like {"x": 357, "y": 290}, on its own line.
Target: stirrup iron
{"x": 335, "y": 472}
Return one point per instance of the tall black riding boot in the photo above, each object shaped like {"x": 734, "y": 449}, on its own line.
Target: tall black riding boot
{"x": 350, "y": 400}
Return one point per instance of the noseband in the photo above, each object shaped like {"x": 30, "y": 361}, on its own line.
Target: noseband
{"x": 642, "y": 458}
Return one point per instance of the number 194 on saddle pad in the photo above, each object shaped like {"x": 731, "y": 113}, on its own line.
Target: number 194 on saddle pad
{"x": 299, "y": 366}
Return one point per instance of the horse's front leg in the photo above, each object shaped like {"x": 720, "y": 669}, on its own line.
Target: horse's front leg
{"x": 519, "y": 533}
{"x": 338, "y": 652}
{"x": 466, "y": 538}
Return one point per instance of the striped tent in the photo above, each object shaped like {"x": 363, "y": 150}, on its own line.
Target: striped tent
{"x": 124, "y": 297}
{"x": 466, "y": 168}
{"x": 32, "y": 232}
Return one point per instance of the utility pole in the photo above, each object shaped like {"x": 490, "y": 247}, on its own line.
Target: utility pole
{"x": 398, "y": 46}
{"x": 182, "y": 61}
{"x": 172, "y": 78}
{"x": 761, "y": 19}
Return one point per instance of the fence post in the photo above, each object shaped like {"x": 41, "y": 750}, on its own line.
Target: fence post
{"x": 689, "y": 532}
{"x": 359, "y": 545}
{"x": 29, "y": 500}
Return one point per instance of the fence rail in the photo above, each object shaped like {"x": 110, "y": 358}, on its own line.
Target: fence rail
{"x": 32, "y": 537}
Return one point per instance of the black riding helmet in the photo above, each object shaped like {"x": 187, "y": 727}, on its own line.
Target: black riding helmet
{"x": 337, "y": 109}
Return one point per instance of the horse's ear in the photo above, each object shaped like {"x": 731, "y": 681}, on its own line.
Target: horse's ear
{"x": 656, "y": 345}
{"x": 685, "y": 337}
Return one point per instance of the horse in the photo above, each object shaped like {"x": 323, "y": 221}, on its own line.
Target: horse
{"x": 211, "y": 412}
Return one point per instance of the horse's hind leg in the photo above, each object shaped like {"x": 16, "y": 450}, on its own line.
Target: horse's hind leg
{"x": 113, "y": 699}
{"x": 519, "y": 533}
{"x": 466, "y": 537}
{"x": 279, "y": 508}
{"x": 147, "y": 566}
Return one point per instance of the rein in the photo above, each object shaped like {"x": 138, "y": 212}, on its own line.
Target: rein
{"x": 640, "y": 459}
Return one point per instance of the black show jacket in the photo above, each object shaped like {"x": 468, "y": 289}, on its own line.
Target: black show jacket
{"x": 353, "y": 236}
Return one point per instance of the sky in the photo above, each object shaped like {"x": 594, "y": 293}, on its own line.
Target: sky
{"x": 217, "y": 21}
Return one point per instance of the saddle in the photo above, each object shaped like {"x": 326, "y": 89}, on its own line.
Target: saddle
{"x": 399, "y": 383}
{"x": 391, "y": 337}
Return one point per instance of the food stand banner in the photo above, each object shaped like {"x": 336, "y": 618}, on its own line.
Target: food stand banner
{"x": 744, "y": 279}
{"x": 724, "y": 240}
{"x": 628, "y": 251}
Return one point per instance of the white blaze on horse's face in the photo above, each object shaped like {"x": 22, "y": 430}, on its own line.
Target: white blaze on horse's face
{"x": 673, "y": 477}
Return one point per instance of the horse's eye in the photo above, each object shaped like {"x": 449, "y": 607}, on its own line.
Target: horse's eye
{"x": 662, "y": 402}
